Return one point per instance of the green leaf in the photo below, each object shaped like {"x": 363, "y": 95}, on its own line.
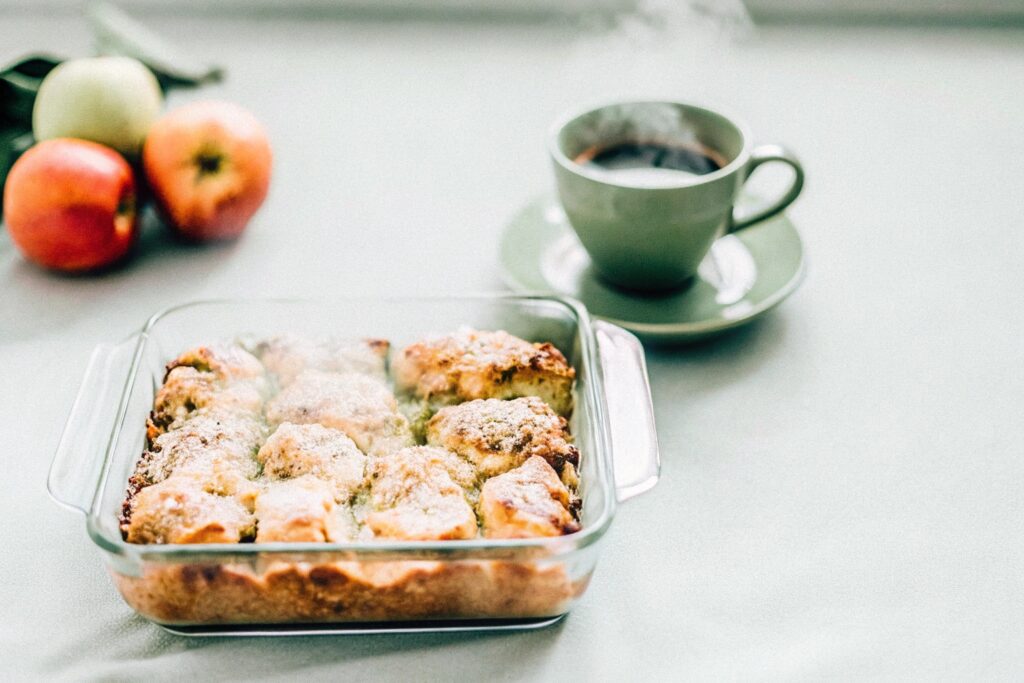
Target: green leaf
{"x": 14, "y": 140}
{"x": 117, "y": 33}
{"x": 19, "y": 83}
{"x": 36, "y": 67}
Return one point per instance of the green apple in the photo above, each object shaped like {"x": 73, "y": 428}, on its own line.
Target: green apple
{"x": 110, "y": 100}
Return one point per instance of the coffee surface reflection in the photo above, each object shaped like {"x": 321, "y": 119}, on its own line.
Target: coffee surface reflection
{"x": 651, "y": 161}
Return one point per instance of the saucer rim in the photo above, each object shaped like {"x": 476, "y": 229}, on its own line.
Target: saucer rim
{"x": 696, "y": 329}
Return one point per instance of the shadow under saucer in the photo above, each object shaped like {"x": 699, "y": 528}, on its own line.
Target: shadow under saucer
{"x": 745, "y": 275}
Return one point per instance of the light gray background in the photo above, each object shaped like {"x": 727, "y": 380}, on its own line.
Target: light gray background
{"x": 841, "y": 485}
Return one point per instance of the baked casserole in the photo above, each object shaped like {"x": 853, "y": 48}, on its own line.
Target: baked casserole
{"x": 299, "y": 440}
{"x": 300, "y": 483}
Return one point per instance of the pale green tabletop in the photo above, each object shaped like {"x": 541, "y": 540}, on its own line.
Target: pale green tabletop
{"x": 841, "y": 486}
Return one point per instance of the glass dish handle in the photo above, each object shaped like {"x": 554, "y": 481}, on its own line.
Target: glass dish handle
{"x": 75, "y": 469}
{"x": 630, "y": 411}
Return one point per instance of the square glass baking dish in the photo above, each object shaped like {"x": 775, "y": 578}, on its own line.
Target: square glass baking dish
{"x": 300, "y": 588}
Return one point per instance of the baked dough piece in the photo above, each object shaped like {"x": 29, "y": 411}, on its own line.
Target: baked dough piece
{"x": 288, "y": 356}
{"x": 497, "y": 436}
{"x": 360, "y": 406}
{"x": 217, "y": 377}
{"x": 218, "y": 439}
{"x": 416, "y": 494}
{"x": 526, "y": 502}
{"x": 301, "y": 510}
{"x": 328, "y": 454}
{"x": 178, "y": 510}
{"x": 472, "y": 364}
{"x": 187, "y": 390}
{"x": 227, "y": 362}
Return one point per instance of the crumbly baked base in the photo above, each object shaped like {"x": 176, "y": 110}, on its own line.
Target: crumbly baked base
{"x": 302, "y": 592}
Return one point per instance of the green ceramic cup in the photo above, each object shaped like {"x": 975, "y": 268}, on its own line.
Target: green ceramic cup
{"x": 651, "y": 232}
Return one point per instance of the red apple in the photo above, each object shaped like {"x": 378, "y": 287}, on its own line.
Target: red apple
{"x": 209, "y": 166}
{"x": 70, "y": 205}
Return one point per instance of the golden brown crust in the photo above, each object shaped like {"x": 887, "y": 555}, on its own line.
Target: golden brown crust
{"x": 526, "y": 502}
{"x": 179, "y": 510}
{"x": 300, "y": 592}
{"x": 209, "y": 423}
{"x": 328, "y": 454}
{"x": 474, "y": 364}
{"x": 300, "y": 510}
{"x": 187, "y": 390}
{"x": 362, "y": 407}
{"x": 497, "y": 436}
{"x": 222, "y": 377}
{"x": 417, "y": 494}
{"x": 210, "y": 440}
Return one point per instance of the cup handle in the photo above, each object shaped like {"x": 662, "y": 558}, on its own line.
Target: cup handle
{"x": 630, "y": 411}
{"x": 84, "y": 443}
{"x": 761, "y": 155}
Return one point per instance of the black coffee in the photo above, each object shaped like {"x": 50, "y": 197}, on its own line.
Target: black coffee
{"x": 654, "y": 161}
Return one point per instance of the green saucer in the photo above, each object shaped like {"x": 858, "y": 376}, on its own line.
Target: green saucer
{"x": 744, "y": 276}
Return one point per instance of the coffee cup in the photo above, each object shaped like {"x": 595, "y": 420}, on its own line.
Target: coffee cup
{"x": 649, "y": 186}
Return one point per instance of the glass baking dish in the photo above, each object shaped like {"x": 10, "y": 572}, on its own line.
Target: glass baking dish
{"x": 279, "y": 588}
